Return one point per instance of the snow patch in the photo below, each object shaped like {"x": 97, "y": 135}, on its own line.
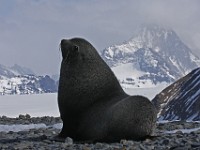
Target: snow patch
{"x": 182, "y": 130}
{"x": 147, "y": 92}
{"x": 20, "y": 127}
{"x": 127, "y": 70}
{"x": 17, "y": 128}
{"x": 128, "y": 75}
{"x": 157, "y": 49}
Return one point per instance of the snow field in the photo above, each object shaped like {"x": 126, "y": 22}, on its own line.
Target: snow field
{"x": 20, "y": 127}
{"x": 36, "y": 105}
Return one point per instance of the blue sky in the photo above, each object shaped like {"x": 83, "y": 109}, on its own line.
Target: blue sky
{"x": 30, "y": 30}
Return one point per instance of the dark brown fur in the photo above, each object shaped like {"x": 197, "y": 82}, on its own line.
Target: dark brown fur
{"x": 92, "y": 104}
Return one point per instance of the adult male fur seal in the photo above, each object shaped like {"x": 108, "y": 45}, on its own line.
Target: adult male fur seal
{"x": 92, "y": 104}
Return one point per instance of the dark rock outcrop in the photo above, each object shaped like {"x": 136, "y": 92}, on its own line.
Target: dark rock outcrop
{"x": 180, "y": 100}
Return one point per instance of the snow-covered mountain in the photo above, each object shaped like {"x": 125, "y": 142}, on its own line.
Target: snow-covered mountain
{"x": 21, "y": 80}
{"x": 153, "y": 55}
{"x": 180, "y": 100}
{"x": 21, "y": 70}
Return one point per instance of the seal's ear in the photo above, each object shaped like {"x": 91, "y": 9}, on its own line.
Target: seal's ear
{"x": 76, "y": 48}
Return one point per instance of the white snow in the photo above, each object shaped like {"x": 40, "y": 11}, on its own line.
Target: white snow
{"x": 147, "y": 92}
{"x": 183, "y": 130}
{"x": 35, "y": 105}
{"x": 111, "y": 53}
{"x": 166, "y": 35}
{"x": 194, "y": 59}
{"x": 132, "y": 71}
{"x": 193, "y": 116}
{"x": 20, "y": 127}
{"x": 127, "y": 70}
{"x": 128, "y": 47}
{"x": 9, "y": 85}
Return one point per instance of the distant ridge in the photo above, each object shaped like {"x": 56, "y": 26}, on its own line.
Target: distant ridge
{"x": 21, "y": 80}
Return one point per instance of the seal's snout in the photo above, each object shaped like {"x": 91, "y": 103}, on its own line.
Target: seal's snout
{"x": 63, "y": 41}
{"x": 64, "y": 47}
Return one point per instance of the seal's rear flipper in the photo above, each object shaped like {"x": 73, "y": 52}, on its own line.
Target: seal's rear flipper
{"x": 57, "y": 139}
{"x": 151, "y": 137}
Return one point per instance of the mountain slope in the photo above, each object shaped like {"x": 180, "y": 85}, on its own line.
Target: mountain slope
{"x": 5, "y": 71}
{"x": 181, "y": 100}
{"x": 21, "y": 70}
{"x": 156, "y": 52}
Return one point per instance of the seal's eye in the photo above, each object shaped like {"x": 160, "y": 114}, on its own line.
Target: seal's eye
{"x": 76, "y": 48}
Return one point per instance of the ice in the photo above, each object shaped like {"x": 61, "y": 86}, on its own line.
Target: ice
{"x": 131, "y": 71}
{"x": 147, "y": 92}
{"x": 36, "y": 105}
{"x": 183, "y": 130}
{"x": 57, "y": 126}
{"x": 127, "y": 70}
{"x": 20, "y": 127}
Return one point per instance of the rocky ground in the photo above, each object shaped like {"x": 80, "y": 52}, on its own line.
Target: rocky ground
{"x": 171, "y": 135}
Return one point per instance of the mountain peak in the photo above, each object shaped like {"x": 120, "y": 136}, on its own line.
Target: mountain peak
{"x": 157, "y": 51}
{"x": 151, "y": 32}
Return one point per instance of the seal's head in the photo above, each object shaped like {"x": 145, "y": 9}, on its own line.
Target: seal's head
{"x": 69, "y": 50}
{"x": 83, "y": 73}
{"x": 77, "y": 49}
{"x": 92, "y": 104}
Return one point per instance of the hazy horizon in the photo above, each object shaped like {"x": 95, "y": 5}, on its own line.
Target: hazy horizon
{"x": 31, "y": 30}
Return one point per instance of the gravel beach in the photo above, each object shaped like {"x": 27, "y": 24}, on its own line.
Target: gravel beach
{"x": 171, "y": 135}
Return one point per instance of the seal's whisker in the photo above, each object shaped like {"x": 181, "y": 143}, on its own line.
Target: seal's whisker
{"x": 59, "y": 47}
{"x": 66, "y": 58}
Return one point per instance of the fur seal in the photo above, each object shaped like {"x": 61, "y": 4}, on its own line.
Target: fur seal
{"x": 92, "y": 104}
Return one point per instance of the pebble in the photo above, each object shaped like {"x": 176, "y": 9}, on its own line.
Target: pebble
{"x": 40, "y": 139}
{"x": 68, "y": 141}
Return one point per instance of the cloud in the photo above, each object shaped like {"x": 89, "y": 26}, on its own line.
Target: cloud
{"x": 31, "y": 30}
